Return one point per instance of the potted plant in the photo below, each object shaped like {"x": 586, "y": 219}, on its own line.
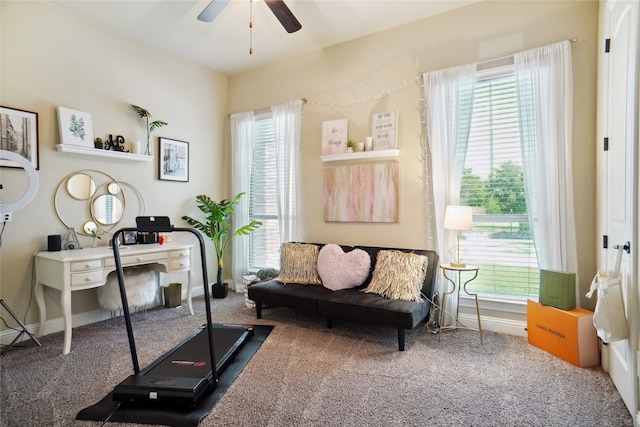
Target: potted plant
{"x": 218, "y": 228}
{"x": 145, "y": 114}
{"x": 349, "y": 146}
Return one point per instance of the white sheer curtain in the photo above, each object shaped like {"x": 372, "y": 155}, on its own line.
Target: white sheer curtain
{"x": 545, "y": 94}
{"x": 287, "y": 120}
{"x": 241, "y": 161}
{"x": 449, "y": 104}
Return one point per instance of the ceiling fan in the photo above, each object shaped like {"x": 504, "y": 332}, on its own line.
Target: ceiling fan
{"x": 278, "y": 7}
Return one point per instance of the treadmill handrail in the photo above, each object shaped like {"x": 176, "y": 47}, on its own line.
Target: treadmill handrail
{"x": 125, "y": 306}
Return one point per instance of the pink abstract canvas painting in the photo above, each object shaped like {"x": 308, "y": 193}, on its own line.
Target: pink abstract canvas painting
{"x": 361, "y": 193}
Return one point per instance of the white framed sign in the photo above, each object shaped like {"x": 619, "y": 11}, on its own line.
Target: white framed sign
{"x": 335, "y": 134}
{"x": 384, "y": 130}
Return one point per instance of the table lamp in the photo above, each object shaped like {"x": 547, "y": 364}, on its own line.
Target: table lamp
{"x": 458, "y": 218}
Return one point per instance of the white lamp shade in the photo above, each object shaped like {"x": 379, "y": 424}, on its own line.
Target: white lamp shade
{"x": 458, "y": 218}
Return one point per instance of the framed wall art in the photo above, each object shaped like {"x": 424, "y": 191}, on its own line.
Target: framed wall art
{"x": 173, "y": 158}
{"x": 335, "y": 134}
{"x": 75, "y": 127}
{"x": 19, "y": 134}
{"x": 384, "y": 130}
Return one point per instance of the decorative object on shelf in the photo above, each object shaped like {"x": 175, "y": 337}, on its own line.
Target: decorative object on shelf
{"x": 385, "y": 130}
{"x": 360, "y": 148}
{"x": 458, "y": 218}
{"x": 150, "y": 126}
{"x": 19, "y": 130}
{"x": 218, "y": 227}
{"x": 116, "y": 144}
{"x": 368, "y": 143}
{"x": 173, "y": 159}
{"x": 75, "y": 127}
{"x": 335, "y": 136}
{"x": 349, "y": 146}
{"x": 98, "y": 143}
{"x": 362, "y": 193}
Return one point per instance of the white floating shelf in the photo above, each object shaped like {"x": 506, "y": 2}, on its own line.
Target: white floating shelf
{"x": 77, "y": 149}
{"x": 361, "y": 155}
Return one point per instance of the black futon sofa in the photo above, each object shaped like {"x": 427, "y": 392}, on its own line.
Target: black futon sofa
{"x": 352, "y": 303}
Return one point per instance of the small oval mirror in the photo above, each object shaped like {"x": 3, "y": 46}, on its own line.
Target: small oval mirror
{"x": 107, "y": 209}
{"x": 81, "y": 186}
{"x": 113, "y": 188}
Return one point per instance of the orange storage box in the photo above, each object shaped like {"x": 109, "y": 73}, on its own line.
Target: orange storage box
{"x": 567, "y": 334}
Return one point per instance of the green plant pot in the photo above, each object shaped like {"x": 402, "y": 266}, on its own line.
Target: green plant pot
{"x": 172, "y": 295}
{"x": 219, "y": 290}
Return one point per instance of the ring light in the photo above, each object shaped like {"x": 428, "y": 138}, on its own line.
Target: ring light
{"x": 33, "y": 182}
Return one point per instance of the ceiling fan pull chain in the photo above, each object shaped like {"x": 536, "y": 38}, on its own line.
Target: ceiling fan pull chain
{"x": 250, "y": 27}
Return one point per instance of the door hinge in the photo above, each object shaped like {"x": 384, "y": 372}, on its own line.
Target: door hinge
{"x": 605, "y": 241}
{"x": 607, "y": 45}
{"x": 605, "y": 144}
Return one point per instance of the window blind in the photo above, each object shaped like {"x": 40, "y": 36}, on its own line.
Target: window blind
{"x": 500, "y": 243}
{"x": 264, "y": 243}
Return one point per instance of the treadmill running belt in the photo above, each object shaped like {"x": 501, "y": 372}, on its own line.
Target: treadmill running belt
{"x": 183, "y": 374}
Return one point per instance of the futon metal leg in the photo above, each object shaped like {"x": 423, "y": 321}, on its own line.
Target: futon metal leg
{"x": 329, "y": 322}
{"x": 258, "y": 309}
{"x": 401, "y": 339}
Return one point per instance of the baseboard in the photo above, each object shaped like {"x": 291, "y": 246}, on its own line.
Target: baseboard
{"x": 79, "y": 319}
{"x": 496, "y": 324}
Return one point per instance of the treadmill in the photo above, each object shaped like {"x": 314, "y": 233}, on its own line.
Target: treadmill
{"x": 182, "y": 376}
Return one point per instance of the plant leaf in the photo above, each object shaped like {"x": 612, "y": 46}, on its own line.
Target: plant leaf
{"x": 142, "y": 113}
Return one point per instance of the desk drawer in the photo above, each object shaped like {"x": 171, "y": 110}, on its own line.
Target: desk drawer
{"x": 138, "y": 259}
{"x": 83, "y": 279}
{"x": 86, "y": 265}
{"x": 182, "y": 253}
{"x": 179, "y": 264}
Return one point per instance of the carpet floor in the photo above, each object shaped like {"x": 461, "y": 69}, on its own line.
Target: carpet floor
{"x": 307, "y": 375}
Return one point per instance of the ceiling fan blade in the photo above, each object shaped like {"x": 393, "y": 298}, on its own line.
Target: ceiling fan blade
{"x": 284, "y": 15}
{"x": 212, "y": 10}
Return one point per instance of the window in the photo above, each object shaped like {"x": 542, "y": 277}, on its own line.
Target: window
{"x": 501, "y": 242}
{"x": 264, "y": 243}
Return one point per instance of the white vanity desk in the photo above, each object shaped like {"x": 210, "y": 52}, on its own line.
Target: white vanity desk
{"x": 74, "y": 270}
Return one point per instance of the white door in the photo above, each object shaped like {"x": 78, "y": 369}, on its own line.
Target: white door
{"x": 617, "y": 198}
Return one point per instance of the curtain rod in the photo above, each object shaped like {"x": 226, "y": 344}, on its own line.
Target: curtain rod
{"x": 268, "y": 109}
{"x": 572, "y": 40}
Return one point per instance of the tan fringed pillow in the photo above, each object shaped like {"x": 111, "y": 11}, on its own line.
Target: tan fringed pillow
{"x": 299, "y": 264}
{"x": 398, "y": 275}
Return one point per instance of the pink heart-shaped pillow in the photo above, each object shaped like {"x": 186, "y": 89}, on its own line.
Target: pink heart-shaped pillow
{"x": 339, "y": 270}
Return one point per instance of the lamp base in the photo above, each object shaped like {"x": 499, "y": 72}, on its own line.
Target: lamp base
{"x": 457, "y": 264}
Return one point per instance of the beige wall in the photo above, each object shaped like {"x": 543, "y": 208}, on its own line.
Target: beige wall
{"x": 350, "y": 81}
{"x": 45, "y": 63}
{"x": 51, "y": 57}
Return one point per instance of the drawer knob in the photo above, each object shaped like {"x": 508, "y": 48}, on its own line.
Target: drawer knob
{"x": 89, "y": 279}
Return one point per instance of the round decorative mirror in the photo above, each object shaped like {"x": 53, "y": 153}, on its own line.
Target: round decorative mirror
{"x": 89, "y": 227}
{"x": 107, "y": 209}
{"x": 81, "y": 186}
{"x": 113, "y": 188}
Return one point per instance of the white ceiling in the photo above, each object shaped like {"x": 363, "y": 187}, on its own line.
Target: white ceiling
{"x": 223, "y": 45}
